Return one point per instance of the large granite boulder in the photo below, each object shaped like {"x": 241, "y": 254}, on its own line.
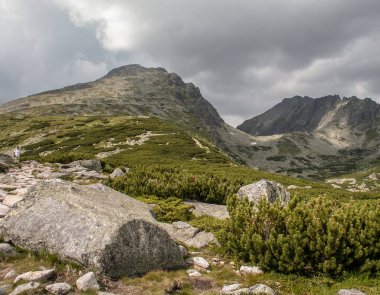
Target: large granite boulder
{"x": 265, "y": 189}
{"x": 93, "y": 225}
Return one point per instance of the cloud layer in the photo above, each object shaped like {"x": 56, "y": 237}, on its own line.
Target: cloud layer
{"x": 244, "y": 55}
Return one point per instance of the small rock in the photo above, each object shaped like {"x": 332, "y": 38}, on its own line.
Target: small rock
{"x": 183, "y": 250}
{"x": 25, "y": 287}
{"x": 10, "y": 274}
{"x": 265, "y": 189}
{"x": 3, "y": 194}
{"x": 250, "y": 270}
{"x": 201, "y": 240}
{"x": 350, "y": 292}
{"x": 193, "y": 273}
{"x": 198, "y": 261}
{"x": 36, "y": 276}
{"x": 261, "y": 289}
{"x": 229, "y": 288}
{"x": 12, "y": 200}
{"x": 7, "y": 250}
{"x": 3, "y": 210}
{"x": 58, "y": 288}
{"x": 87, "y": 282}
{"x": 117, "y": 173}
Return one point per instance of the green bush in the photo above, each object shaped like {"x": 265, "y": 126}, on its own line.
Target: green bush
{"x": 169, "y": 209}
{"x": 65, "y": 158}
{"x": 318, "y": 236}
{"x": 163, "y": 182}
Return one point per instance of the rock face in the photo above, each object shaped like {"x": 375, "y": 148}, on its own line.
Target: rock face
{"x": 93, "y": 225}
{"x": 306, "y": 114}
{"x": 265, "y": 189}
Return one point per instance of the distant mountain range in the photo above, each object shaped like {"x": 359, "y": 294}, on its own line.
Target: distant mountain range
{"x": 301, "y": 136}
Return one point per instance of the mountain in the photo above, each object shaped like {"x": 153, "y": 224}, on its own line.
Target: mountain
{"x": 317, "y": 137}
{"x": 127, "y": 90}
{"x": 309, "y": 115}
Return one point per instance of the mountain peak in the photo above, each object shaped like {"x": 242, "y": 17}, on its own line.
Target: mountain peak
{"x": 132, "y": 69}
{"x": 306, "y": 114}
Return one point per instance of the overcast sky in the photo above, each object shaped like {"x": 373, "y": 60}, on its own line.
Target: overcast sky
{"x": 244, "y": 55}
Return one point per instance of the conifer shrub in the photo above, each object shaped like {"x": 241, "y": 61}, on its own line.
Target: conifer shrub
{"x": 317, "y": 236}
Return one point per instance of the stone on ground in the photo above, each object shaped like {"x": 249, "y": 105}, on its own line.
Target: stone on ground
{"x": 350, "y": 292}
{"x": 229, "y": 288}
{"x": 213, "y": 210}
{"x": 94, "y": 165}
{"x": 198, "y": 261}
{"x": 58, "y": 288}
{"x": 12, "y": 200}
{"x": 117, "y": 173}
{"x": 25, "y": 287}
{"x": 193, "y": 273}
{"x": 265, "y": 189}
{"x": 36, "y": 276}
{"x": 244, "y": 269}
{"x": 87, "y": 282}
{"x": 93, "y": 225}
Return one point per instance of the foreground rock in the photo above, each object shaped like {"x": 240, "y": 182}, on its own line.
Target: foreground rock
{"x": 256, "y": 289}
{"x": 36, "y": 276}
{"x": 93, "y": 225}
{"x": 25, "y": 287}
{"x": 87, "y": 282}
{"x": 189, "y": 235}
{"x": 350, "y": 292}
{"x": 58, "y": 288}
{"x": 265, "y": 189}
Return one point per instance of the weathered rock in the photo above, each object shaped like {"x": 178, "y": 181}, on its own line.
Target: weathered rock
{"x": 350, "y": 292}
{"x": 36, "y": 276}
{"x": 229, "y": 288}
{"x": 93, "y": 225}
{"x": 94, "y": 165}
{"x": 193, "y": 273}
{"x": 183, "y": 231}
{"x": 244, "y": 269}
{"x": 3, "y": 210}
{"x": 201, "y": 240}
{"x": 7, "y": 250}
{"x": 25, "y": 287}
{"x": 265, "y": 189}
{"x": 87, "y": 282}
{"x": 117, "y": 173}
{"x": 58, "y": 288}
{"x": 11, "y": 200}
{"x": 261, "y": 289}
{"x": 200, "y": 209}
{"x": 3, "y": 194}
{"x": 198, "y": 261}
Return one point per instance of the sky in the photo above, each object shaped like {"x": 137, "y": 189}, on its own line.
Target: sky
{"x": 244, "y": 55}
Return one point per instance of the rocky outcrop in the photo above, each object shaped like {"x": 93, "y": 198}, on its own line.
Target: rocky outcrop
{"x": 265, "y": 189}
{"x": 5, "y": 162}
{"x": 93, "y": 225}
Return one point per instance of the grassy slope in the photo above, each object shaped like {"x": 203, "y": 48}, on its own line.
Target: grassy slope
{"x": 66, "y": 138}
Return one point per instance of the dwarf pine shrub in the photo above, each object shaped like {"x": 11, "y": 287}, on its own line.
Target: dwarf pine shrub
{"x": 318, "y": 236}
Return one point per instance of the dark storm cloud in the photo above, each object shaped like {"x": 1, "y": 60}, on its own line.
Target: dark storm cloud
{"x": 244, "y": 55}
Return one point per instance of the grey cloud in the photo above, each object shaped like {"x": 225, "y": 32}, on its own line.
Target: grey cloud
{"x": 244, "y": 55}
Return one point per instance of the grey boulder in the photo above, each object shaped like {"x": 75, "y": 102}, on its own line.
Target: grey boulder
{"x": 265, "y": 189}
{"x": 58, "y": 288}
{"x": 36, "y": 276}
{"x": 93, "y": 225}
{"x": 87, "y": 282}
{"x": 7, "y": 250}
{"x": 94, "y": 164}
{"x": 117, "y": 173}
{"x": 25, "y": 287}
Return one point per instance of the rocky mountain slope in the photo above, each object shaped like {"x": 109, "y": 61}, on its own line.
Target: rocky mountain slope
{"x": 128, "y": 90}
{"x": 317, "y": 137}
